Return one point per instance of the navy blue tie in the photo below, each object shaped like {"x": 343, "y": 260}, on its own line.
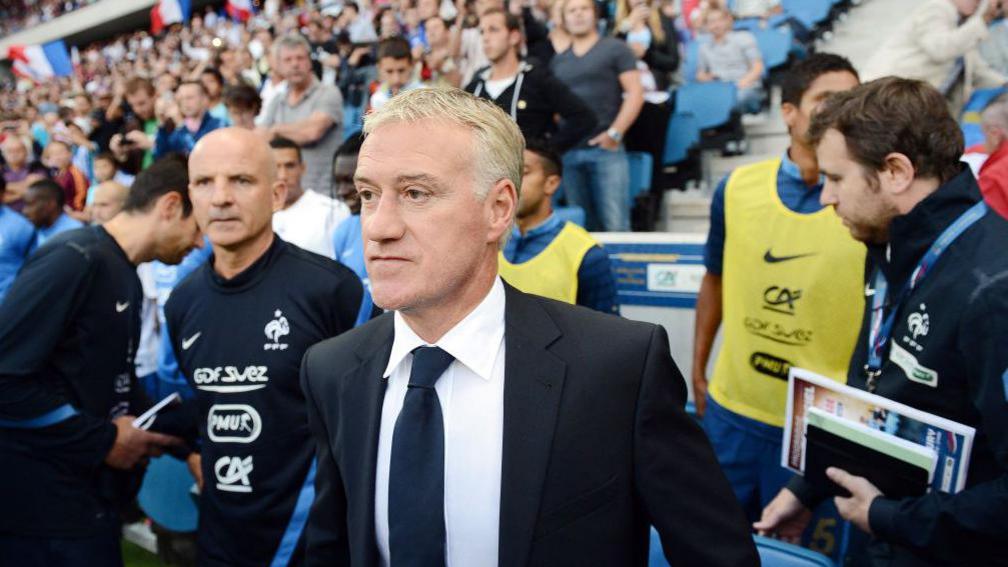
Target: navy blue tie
{"x": 416, "y": 469}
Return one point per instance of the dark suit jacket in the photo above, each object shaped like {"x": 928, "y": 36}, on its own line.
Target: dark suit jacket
{"x": 597, "y": 446}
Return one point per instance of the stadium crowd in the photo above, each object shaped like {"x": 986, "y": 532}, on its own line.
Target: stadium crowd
{"x": 226, "y": 184}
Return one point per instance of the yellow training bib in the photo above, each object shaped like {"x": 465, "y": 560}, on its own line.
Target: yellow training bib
{"x": 553, "y": 273}
{"x": 792, "y": 295}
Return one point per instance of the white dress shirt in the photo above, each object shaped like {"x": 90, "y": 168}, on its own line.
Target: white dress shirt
{"x": 310, "y": 222}
{"x": 471, "y": 393}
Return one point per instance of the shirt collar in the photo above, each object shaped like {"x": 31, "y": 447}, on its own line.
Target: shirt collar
{"x": 790, "y": 169}
{"x": 546, "y": 226}
{"x": 474, "y": 341}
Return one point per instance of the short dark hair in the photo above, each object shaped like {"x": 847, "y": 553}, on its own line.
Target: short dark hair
{"x": 166, "y": 175}
{"x": 50, "y": 190}
{"x": 802, "y": 74}
{"x": 552, "y": 164}
{"x": 243, "y": 96}
{"x": 894, "y": 115}
{"x": 394, "y": 48}
{"x": 216, "y": 74}
{"x": 281, "y": 143}
{"x": 511, "y": 21}
{"x": 194, "y": 83}
{"x": 351, "y": 5}
{"x": 351, "y": 146}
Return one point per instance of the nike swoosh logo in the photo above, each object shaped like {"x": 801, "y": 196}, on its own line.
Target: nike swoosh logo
{"x": 769, "y": 258}
{"x": 186, "y": 343}
{"x": 120, "y": 307}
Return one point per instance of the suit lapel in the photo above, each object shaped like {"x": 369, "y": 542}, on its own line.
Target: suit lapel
{"x": 533, "y": 383}
{"x": 364, "y": 392}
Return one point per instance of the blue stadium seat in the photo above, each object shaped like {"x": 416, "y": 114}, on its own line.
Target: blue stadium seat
{"x": 575, "y": 215}
{"x": 970, "y": 119}
{"x": 775, "y": 553}
{"x": 811, "y": 13}
{"x": 641, "y": 168}
{"x": 774, "y": 45}
{"x": 710, "y": 103}
{"x": 682, "y": 135}
{"x": 691, "y": 60}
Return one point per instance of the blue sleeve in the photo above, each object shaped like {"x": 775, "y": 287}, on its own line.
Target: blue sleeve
{"x": 162, "y": 143}
{"x": 339, "y": 237}
{"x": 714, "y": 249}
{"x": 596, "y": 286}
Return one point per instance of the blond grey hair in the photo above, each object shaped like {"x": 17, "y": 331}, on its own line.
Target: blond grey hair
{"x": 498, "y": 151}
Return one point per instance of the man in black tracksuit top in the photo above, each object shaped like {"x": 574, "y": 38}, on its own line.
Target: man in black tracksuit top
{"x": 69, "y": 329}
{"x": 528, "y": 92}
{"x": 239, "y": 326}
{"x": 947, "y": 352}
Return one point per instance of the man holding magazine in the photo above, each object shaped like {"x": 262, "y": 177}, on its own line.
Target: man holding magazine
{"x": 935, "y": 331}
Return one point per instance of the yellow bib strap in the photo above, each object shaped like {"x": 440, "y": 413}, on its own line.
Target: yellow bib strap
{"x": 552, "y": 273}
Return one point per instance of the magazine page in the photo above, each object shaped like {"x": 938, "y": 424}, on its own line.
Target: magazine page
{"x": 950, "y": 441}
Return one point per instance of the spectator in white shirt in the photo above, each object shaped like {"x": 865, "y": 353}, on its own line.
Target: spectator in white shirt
{"x": 308, "y": 218}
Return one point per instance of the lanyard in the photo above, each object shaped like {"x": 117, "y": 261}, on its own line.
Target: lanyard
{"x": 881, "y": 327}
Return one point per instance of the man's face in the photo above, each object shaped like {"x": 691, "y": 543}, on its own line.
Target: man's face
{"x": 579, "y": 17}
{"x": 289, "y": 170}
{"x": 108, "y": 201}
{"x": 425, "y": 231}
{"x": 211, "y": 84}
{"x": 191, "y": 100}
{"x": 177, "y": 236}
{"x": 104, "y": 170}
{"x": 822, "y": 87}
{"x": 295, "y": 66}
{"x": 14, "y": 152}
{"x": 719, "y": 23}
{"x": 394, "y": 72}
{"x": 994, "y": 135}
{"x": 497, "y": 40}
{"x": 864, "y": 209}
{"x": 82, "y": 106}
{"x": 232, "y": 191}
{"x": 58, "y": 155}
{"x": 536, "y": 185}
{"x": 437, "y": 33}
{"x": 343, "y": 173}
{"x": 41, "y": 210}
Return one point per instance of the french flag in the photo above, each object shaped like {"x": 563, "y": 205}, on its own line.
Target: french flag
{"x": 168, "y": 12}
{"x": 239, "y": 10}
{"x": 40, "y": 62}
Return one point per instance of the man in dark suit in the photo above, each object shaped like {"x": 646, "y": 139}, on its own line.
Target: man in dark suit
{"x": 477, "y": 425}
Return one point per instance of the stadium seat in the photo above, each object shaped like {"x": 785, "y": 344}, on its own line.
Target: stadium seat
{"x": 683, "y": 134}
{"x": 774, "y": 45}
{"x": 811, "y": 13}
{"x": 710, "y": 103}
{"x": 575, "y": 215}
{"x": 641, "y": 168}
{"x": 775, "y": 553}
{"x": 691, "y": 60}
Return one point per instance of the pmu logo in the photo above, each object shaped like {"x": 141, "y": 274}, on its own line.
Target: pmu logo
{"x": 781, "y": 299}
{"x": 233, "y": 474}
{"x": 233, "y": 423}
{"x": 229, "y": 380}
{"x": 770, "y": 365}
